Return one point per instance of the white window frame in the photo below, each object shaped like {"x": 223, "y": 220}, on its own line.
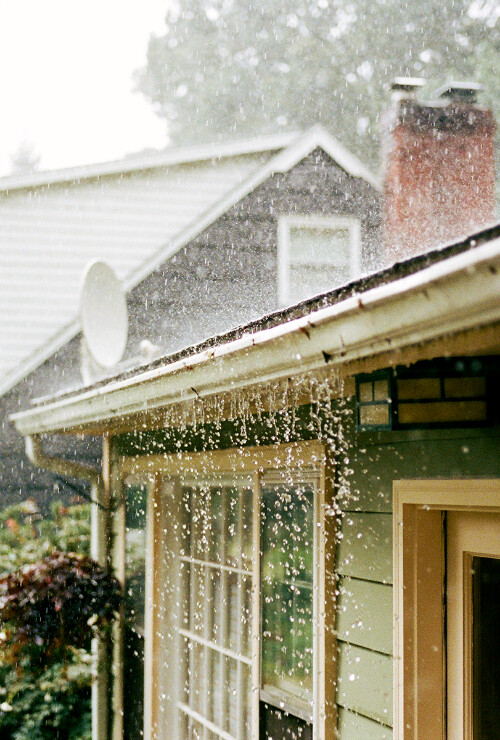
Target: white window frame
{"x": 253, "y": 461}
{"x": 286, "y": 223}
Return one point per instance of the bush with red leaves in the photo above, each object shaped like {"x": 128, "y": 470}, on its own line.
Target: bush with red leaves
{"x": 57, "y": 604}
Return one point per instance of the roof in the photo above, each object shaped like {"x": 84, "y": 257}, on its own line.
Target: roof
{"x": 113, "y": 218}
{"x": 147, "y": 161}
{"x": 447, "y": 290}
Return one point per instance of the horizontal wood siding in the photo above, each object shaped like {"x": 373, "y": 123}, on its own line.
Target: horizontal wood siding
{"x": 49, "y": 233}
{"x": 365, "y": 547}
{"x": 364, "y": 614}
{"x": 364, "y": 682}
{"x": 356, "y": 727}
{"x": 364, "y": 557}
{"x": 465, "y": 453}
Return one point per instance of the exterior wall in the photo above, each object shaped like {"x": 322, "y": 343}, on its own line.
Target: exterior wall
{"x": 54, "y": 230}
{"x": 364, "y": 552}
{"x": 229, "y": 274}
{"x": 365, "y": 556}
{"x": 225, "y": 277}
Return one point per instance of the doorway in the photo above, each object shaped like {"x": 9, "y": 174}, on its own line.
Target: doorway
{"x": 447, "y": 609}
{"x": 473, "y": 625}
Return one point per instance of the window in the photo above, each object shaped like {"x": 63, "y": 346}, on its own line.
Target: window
{"x": 130, "y": 558}
{"x": 446, "y": 392}
{"x": 237, "y": 573}
{"x": 316, "y": 254}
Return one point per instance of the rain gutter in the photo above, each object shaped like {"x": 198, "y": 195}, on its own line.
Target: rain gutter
{"x": 35, "y": 453}
{"x": 456, "y": 294}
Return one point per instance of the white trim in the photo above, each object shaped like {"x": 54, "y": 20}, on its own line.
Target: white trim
{"x": 282, "y": 162}
{"x": 456, "y": 294}
{"x": 314, "y": 221}
{"x": 259, "y": 466}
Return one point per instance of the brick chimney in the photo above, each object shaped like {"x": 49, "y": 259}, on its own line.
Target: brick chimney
{"x": 439, "y": 168}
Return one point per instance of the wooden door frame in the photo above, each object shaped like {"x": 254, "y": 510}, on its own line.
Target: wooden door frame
{"x": 419, "y": 570}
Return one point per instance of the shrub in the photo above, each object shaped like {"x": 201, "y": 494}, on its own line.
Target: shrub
{"x": 45, "y": 694}
{"x": 55, "y": 605}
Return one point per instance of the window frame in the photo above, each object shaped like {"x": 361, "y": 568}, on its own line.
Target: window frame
{"x": 312, "y": 221}
{"x": 252, "y": 461}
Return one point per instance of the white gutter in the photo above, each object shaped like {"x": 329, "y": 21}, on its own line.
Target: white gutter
{"x": 58, "y": 465}
{"x": 457, "y": 294}
{"x": 302, "y": 145}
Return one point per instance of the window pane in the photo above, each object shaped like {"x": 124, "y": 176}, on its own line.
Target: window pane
{"x": 217, "y": 531}
{"x": 374, "y": 415}
{"x": 320, "y": 245}
{"x": 133, "y": 637}
{"x": 287, "y": 539}
{"x": 309, "y": 280}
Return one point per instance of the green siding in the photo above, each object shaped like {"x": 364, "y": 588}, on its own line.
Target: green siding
{"x": 365, "y": 682}
{"x": 364, "y": 614}
{"x": 364, "y": 552}
{"x": 365, "y": 549}
{"x": 355, "y": 727}
{"x": 468, "y": 454}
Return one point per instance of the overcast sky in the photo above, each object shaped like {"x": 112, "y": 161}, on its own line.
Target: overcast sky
{"x": 66, "y": 79}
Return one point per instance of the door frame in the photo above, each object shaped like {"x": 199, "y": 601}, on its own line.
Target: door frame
{"x": 419, "y": 589}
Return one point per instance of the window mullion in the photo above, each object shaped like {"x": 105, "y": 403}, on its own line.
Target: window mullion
{"x": 241, "y": 626}
{"x": 223, "y": 609}
{"x": 255, "y": 636}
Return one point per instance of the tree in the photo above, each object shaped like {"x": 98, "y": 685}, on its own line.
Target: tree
{"x": 227, "y": 68}
{"x": 25, "y": 159}
{"x": 45, "y": 673}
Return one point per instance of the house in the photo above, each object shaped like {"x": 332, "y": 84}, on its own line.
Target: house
{"x": 53, "y": 223}
{"x": 305, "y": 512}
{"x": 204, "y": 238}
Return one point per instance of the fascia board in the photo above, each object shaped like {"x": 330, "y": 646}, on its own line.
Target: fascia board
{"x": 457, "y": 294}
{"x": 314, "y": 137}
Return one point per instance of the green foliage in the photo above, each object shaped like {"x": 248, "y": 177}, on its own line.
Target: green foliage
{"x": 55, "y": 704}
{"x": 27, "y": 537}
{"x": 48, "y": 701}
{"x": 226, "y": 68}
{"x": 56, "y": 604}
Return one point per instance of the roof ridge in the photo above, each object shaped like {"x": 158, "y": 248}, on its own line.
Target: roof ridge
{"x": 159, "y": 158}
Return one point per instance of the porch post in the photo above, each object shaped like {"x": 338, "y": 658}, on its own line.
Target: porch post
{"x": 100, "y": 648}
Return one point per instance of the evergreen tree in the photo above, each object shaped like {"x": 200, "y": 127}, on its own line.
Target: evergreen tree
{"x": 233, "y": 68}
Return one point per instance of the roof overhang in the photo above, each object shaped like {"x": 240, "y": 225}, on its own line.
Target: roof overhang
{"x": 456, "y": 295}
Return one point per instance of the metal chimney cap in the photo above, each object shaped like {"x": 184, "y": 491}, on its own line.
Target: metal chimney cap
{"x": 407, "y": 84}
{"x": 462, "y": 92}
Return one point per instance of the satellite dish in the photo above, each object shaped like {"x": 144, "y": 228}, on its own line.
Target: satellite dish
{"x": 103, "y": 310}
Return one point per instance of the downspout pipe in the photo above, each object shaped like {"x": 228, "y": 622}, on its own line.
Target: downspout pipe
{"x": 99, "y": 551}
{"x": 37, "y": 455}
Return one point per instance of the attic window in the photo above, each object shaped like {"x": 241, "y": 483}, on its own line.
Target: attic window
{"x": 316, "y": 254}
{"x": 444, "y": 393}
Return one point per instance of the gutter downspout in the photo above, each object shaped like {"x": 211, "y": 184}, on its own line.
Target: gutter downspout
{"x": 99, "y": 526}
